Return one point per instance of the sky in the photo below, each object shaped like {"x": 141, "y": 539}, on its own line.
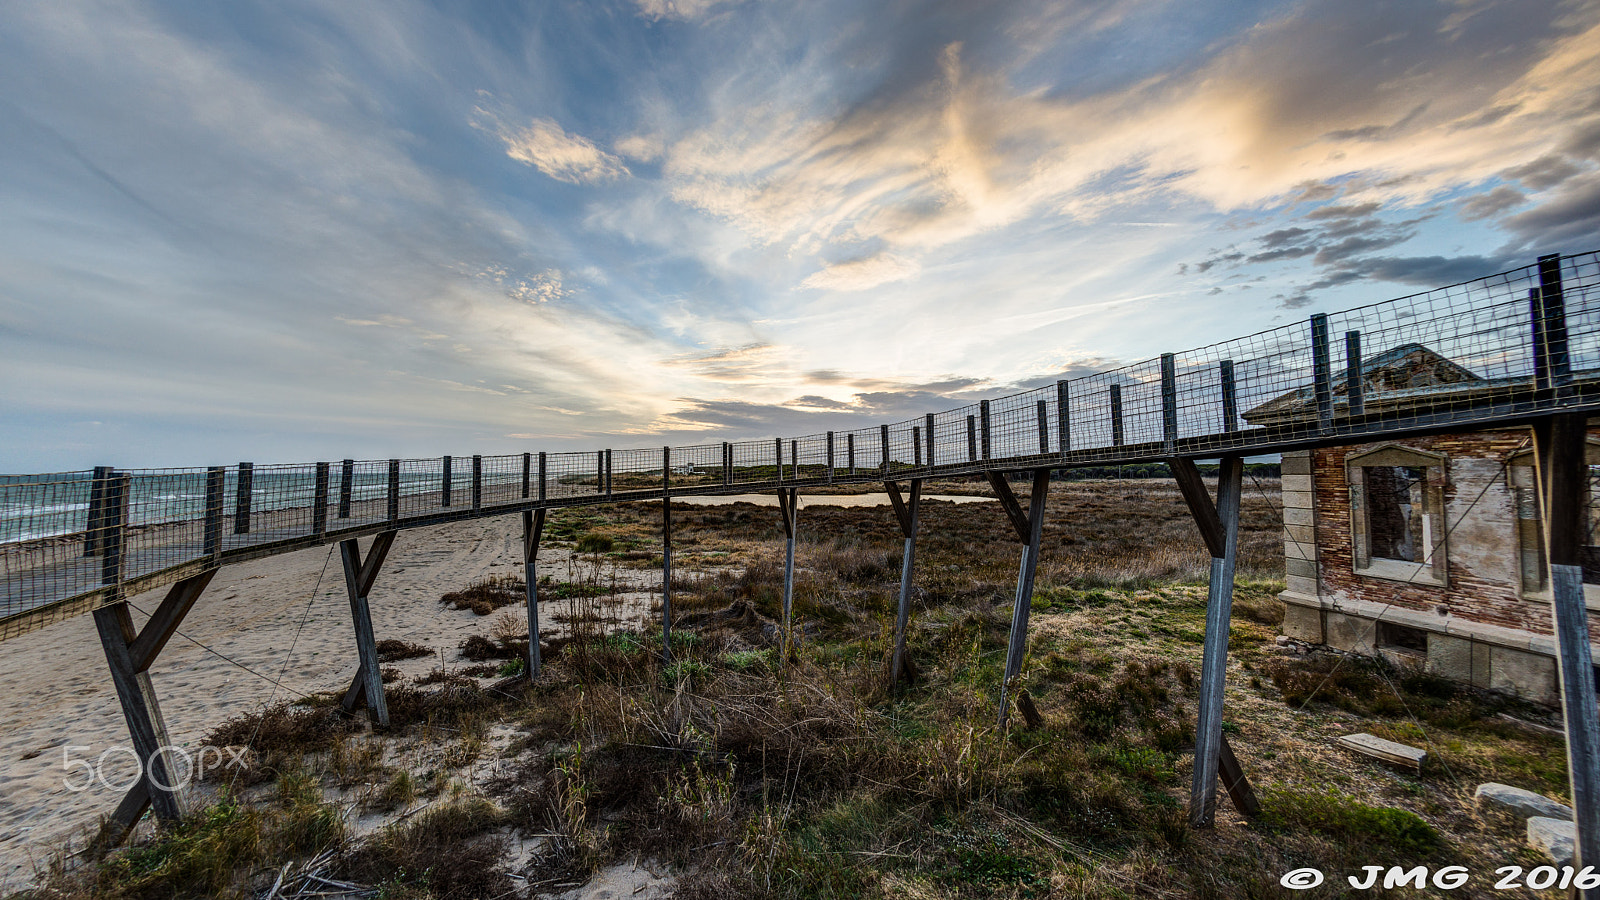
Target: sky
{"x": 296, "y": 230}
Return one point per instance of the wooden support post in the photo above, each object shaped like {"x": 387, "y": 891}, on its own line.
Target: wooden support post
{"x": 1354, "y": 388}
{"x": 447, "y": 482}
{"x": 542, "y": 479}
{"x": 1063, "y": 426}
{"x": 319, "y": 502}
{"x": 113, "y": 539}
{"x": 1116, "y": 415}
{"x": 906, "y": 513}
{"x": 1321, "y": 371}
{"x": 1017, "y": 646}
{"x": 1219, "y": 528}
{"x": 393, "y": 512}
{"x": 244, "y": 493}
{"x": 97, "y": 510}
{"x": 527, "y": 475}
{"x": 666, "y": 555}
{"x": 129, "y": 654}
{"x": 927, "y": 434}
{"x": 788, "y": 501}
{"x": 1560, "y": 454}
{"x": 359, "y": 575}
{"x": 1169, "y": 399}
{"x": 830, "y": 457}
{"x": 532, "y": 530}
{"x": 916, "y": 446}
{"x": 984, "y": 425}
{"x": 1044, "y": 426}
{"x": 347, "y": 478}
{"x": 972, "y": 439}
{"x": 477, "y": 482}
{"x": 216, "y": 480}
{"x": 883, "y": 449}
{"x": 1230, "y": 397}
{"x": 1553, "y": 308}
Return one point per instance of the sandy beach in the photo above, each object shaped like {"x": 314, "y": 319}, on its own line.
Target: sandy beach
{"x": 59, "y": 693}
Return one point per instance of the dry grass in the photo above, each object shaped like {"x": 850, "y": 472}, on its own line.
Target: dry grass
{"x": 760, "y": 776}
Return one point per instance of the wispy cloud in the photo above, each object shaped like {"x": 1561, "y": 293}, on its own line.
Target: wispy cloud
{"x": 572, "y": 158}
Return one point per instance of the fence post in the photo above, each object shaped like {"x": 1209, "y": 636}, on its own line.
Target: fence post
{"x": 216, "y": 478}
{"x": 347, "y": 473}
{"x": 794, "y": 460}
{"x": 319, "y": 502}
{"x": 97, "y": 510}
{"x": 666, "y": 555}
{"x": 1169, "y": 399}
{"x": 1230, "y": 397}
{"x": 114, "y": 532}
{"x": 542, "y": 482}
{"x": 927, "y": 434}
{"x": 883, "y": 447}
{"x": 1063, "y": 427}
{"x": 850, "y": 452}
{"x": 830, "y": 457}
{"x": 394, "y": 490}
{"x": 527, "y": 475}
{"x": 1116, "y": 415}
{"x": 1552, "y": 362}
{"x": 1044, "y": 426}
{"x": 1322, "y": 371}
{"x": 244, "y": 495}
{"x": 727, "y": 464}
{"x": 972, "y": 439}
{"x": 447, "y": 481}
{"x": 608, "y": 473}
{"x": 1354, "y": 389}
{"x": 983, "y": 430}
{"x": 916, "y": 446}
{"x": 777, "y": 444}
{"x": 477, "y": 482}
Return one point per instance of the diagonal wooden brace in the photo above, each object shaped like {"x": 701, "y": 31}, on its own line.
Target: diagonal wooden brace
{"x": 899, "y": 664}
{"x": 1008, "y": 502}
{"x": 359, "y": 575}
{"x": 532, "y": 531}
{"x": 1017, "y": 646}
{"x": 129, "y": 654}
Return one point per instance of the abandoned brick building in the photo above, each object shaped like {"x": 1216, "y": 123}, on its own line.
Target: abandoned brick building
{"x": 1428, "y": 550}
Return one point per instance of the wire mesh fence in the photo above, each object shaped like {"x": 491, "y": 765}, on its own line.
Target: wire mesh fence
{"x": 1509, "y": 345}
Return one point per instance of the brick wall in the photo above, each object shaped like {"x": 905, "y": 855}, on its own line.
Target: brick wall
{"x": 1481, "y": 545}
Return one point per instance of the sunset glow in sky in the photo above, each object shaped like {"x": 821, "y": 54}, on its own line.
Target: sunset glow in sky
{"x": 307, "y": 230}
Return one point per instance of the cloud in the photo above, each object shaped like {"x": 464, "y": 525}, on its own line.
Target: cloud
{"x": 1483, "y": 206}
{"x": 861, "y": 274}
{"x": 571, "y": 158}
{"x": 679, "y": 9}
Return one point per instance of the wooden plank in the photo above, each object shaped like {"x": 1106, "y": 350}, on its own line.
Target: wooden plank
{"x": 1008, "y": 502}
{"x": 789, "y": 508}
{"x": 113, "y": 533}
{"x": 211, "y": 543}
{"x": 984, "y": 439}
{"x": 477, "y": 482}
{"x": 1553, "y": 306}
{"x": 1230, "y": 397}
{"x": 1063, "y": 421}
{"x": 527, "y": 475}
{"x": 972, "y": 439}
{"x": 916, "y": 446}
{"x": 901, "y": 514}
{"x": 122, "y": 820}
{"x": 1043, "y": 414}
{"x": 1214, "y": 656}
{"x": 164, "y": 622}
{"x": 883, "y": 449}
{"x": 1321, "y": 370}
{"x": 532, "y": 530}
{"x": 830, "y": 459}
{"x": 319, "y": 501}
{"x": 1388, "y": 751}
{"x": 927, "y": 434}
{"x": 448, "y": 482}
{"x": 1116, "y": 416}
{"x": 1200, "y": 505}
{"x": 358, "y": 578}
{"x": 97, "y": 501}
{"x": 140, "y": 709}
{"x": 244, "y": 492}
{"x": 1235, "y": 782}
{"x": 666, "y": 555}
{"x": 394, "y": 491}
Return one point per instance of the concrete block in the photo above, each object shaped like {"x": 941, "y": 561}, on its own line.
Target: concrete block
{"x": 1553, "y": 837}
{"x": 1527, "y": 675}
{"x": 1480, "y": 664}
{"x": 1297, "y": 550}
{"x": 1302, "y": 623}
{"x": 1307, "y": 568}
{"x": 1521, "y": 803}
{"x": 1303, "y": 534}
{"x": 1450, "y": 657}
{"x": 1349, "y": 633}
{"x": 1300, "y": 584}
{"x": 1296, "y": 463}
{"x": 1296, "y": 483}
{"x": 1294, "y": 515}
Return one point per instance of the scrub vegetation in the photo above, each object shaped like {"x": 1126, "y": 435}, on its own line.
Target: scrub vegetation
{"x": 747, "y": 771}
